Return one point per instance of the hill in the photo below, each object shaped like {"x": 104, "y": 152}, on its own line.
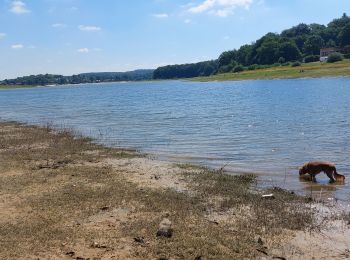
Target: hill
{"x": 93, "y": 77}
{"x": 300, "y": 43}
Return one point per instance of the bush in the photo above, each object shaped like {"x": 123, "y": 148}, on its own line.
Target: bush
{"x": 296, "y": 64}
{"x": 312, "y": 58}
{"x": 253, "y": 67}
{"x": 238, "y": 68}
{"x": 225, "y": 69}
{"x": 334, "y": 57}
{"x": 281, "y": 60}
{"x": 347, "y": 56}
{"x": 286, "y": 64}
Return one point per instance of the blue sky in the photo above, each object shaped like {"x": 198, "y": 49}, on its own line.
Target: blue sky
{"x": 73, "y": 36}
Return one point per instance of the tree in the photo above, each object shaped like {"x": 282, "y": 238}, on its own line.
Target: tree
{"x": 334, "y": 57}
{"x": 227, "y": 57}
{"x": 299, "y": 30}
{"x": 344, "y": 35}
{"x": 268, "y": 52}
{"x": 289, "y": 51}
{"x": 340, "y": 22}
{"x": 313, "y": 44}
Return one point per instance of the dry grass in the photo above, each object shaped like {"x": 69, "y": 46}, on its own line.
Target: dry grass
{"x": 58, "y": 198}
{"x": 312, "y": 70}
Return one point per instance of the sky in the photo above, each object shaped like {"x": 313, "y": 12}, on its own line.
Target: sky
{"x": 74, "y": 36}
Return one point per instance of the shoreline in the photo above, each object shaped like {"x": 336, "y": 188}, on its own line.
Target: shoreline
{"x": 198, "y": 79}
{"x": 96, "y": 201}
{"x": 305, "y": 71}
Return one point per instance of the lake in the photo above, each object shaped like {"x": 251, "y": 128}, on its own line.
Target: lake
{"x": 269, "y": 127}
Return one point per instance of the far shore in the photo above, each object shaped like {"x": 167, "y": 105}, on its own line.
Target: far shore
{"x": 305, "y": 70}
{"x": 64, "y": 196}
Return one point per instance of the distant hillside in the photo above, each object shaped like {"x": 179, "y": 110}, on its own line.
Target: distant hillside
{"x": 300, "y": 43}
{"x": 93, "y": 77}
{"x": 204, "y": 68}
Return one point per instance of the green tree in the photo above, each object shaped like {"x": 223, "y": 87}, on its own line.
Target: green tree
{"x": 313, "y": 44}
{"x": 227, "y": 57}
{"x": 334, "y": 57}
{"x": 289, "y": 51}
{"x": 344, "y": 35}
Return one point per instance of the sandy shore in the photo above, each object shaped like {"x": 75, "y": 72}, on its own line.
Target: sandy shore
{"x": 64, "y": 197}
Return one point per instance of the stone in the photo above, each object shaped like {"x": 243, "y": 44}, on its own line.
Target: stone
{"x": 165, "y": 228}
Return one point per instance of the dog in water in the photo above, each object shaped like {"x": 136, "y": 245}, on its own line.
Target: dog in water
{"x": 314, "y": 168}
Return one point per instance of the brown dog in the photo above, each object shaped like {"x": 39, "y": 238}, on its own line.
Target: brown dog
{"x": 314, "y": 168}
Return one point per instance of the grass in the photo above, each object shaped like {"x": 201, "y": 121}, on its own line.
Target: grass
{"x": 60, "y": 197}
{"x": 313, "y": 70}
{"x": 15, "y": 86}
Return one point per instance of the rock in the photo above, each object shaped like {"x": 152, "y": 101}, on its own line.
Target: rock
{"x": 70, "y": 253}
{"x": 214, "y": 222}
{"x": 97, "y": 245}
{"x": 140, "y": 240}
{"x": 155, "y": 176}
{"x": 268, "y": 196}
{"x": 104, "y": 208}
{"x": 165, "y": 229}
{"x": 260, "y": 241}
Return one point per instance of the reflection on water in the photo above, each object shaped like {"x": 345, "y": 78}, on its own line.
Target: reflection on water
{"x": 266, "y": 127}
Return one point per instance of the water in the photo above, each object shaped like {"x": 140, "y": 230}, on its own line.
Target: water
{"x": 266, "y": 127}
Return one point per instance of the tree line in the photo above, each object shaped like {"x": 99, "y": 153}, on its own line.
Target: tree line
{"x": 95, "y": 77}
{"x": 301, "y": 43}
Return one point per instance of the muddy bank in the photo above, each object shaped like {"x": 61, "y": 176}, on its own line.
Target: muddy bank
{"x": 64, "y": 197}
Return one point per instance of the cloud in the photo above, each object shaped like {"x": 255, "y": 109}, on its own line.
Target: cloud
{"x": 83, "y": 50}
{"x": 161, "y": 16}
{"x": 90, "y": 28}
{"x": 17, "y": 46}
{"x": 18, "y": 7}
{"x": 222, "y": 8}
{"x": 87, "y": 50}
{"x": 59, "y": 25}
{"x": 187, "y": 21}
{"x": 2, "y": 35}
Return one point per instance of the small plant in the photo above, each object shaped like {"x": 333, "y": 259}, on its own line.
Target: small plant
{"x": 296, "y": 64}
{"x": 253, "y": 67}
{"x": 238, "y": 68}
{"x": 334, "y": 57}
{"x": 281, "y": 60}
{"x": 312, "y": 58}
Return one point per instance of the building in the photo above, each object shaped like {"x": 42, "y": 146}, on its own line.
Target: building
{"x": 324, "y": 52}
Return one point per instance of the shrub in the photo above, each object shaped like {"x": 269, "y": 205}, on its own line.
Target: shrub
{"x": 347, "y": 56}
{"x": 225, "y": 69}
{"x": 238, "y": 68}
{"x": 296, "y": 64}
{"x": 253, "y": 67}
{"x": 286, "y": 64}
{"x": 281, "y": 60}
{"x": 334, "y": 57}
{"x": 312, "y": 58}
